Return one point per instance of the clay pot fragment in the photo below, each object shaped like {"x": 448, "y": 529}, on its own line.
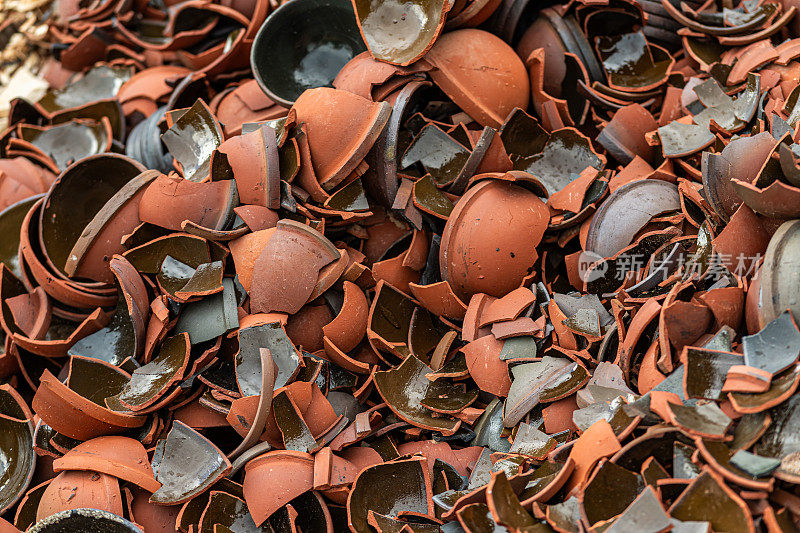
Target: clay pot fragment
{"x": 409, "y": 40}
{"x": 183, "y": 140}
{"x": 76, "y": 408}
{"x": 391, "y": 277}
{"x": 11, "y": 221}
{"x": 777, "y": 262}
{"x": 257, "y": 185}
{"x": 81, "y": 518}
{"x": 121, "y": 457}
{"x": 123, "y": 337}
{"x": 224, "y": 509}
{"x": 18, "y": 446}
{"x": 169, "y": 198}
{"x": 623, "y": 137}
{"x": 545, "y": 381}
{"x": 410, "y": 483}
{"x": 283, "y": 354}
{"x": 68, "y": 142}
{"x": 646, "y": 65}
{"x": 736, "y": 514}
{"x": 438, "y": 153}
{"x": 290, "y": 472}
{"x": 76, "y": 489}
{"x": 61, "y": 221}
{"x": 395, "y": 386}
{"x": 340, "y": 137}
{"x": 152, "y": 381}
{"x": 291, "y": 250}
{"x": 651, "y": 197}
{"x": 348, "y": 327}
{"x": 485, "y": 98}
{"x": 486, "y": 367}
{"x": 189, "y": 464}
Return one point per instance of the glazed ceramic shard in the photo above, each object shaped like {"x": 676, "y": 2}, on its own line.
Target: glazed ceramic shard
{"x": 152, "y": 381}
{"x": 616, "y": 223}
{"x": 210, "y": 317}
{"x": 397, "y": 31}
{"x": 706, "y": 370}
{"x": 645, "y": 511}
{"x": 754, "y": 465}
{"x": 504, "y": 504}
{"x": 95, "y": 180}
{"x": 390, "y": 488}
{"x": 774, "y": 348}
{"x": 192, "y": 140}
{"x": 300, "y": 47}
{"x": 77, "y": 408}
{"x": 190, "y": 464}
{"x": 706, "y": 493}
{"x": 16, "y": 447}
{"x": 69, "y": 142}
{"x": 679, "y": 139}
{"x": 248, "y": 361}
{"x": 631, "y": 63}
{"x": 726, "y": 112}
{"x": 229, "y": 511}
{"x": 609, "y": 491}
{"x": 99, "y": 83}
{"x": 84, "y": 519}
{"x": 530, "y": 441}
{"x": 406, "y": 386}
{"x": 438, "y": 153}
{"x": 531, "y": 382}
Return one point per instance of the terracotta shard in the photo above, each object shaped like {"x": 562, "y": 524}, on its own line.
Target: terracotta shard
{"x": 288, "y": 266}
{"x": 484, "y": 98}
{"x": 78, "y": 490}
{"x": 169, "y": 200}
{"x": 121, "y": 457}
{"x": 348, "y": 327}
{"x": 485, "y": 366}
{"x": 342, "y": 135}
{"x": 290, "y": 472}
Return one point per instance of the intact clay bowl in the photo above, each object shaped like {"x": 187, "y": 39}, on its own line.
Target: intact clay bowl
{"x": 303, "y": 44}
{"x": 490, "y": 249}
{"x": 75, "y": 198}
{"x": 34, "y": 268}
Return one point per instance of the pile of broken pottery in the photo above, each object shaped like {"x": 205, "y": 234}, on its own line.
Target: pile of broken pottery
{"x": 435, "y": 266}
